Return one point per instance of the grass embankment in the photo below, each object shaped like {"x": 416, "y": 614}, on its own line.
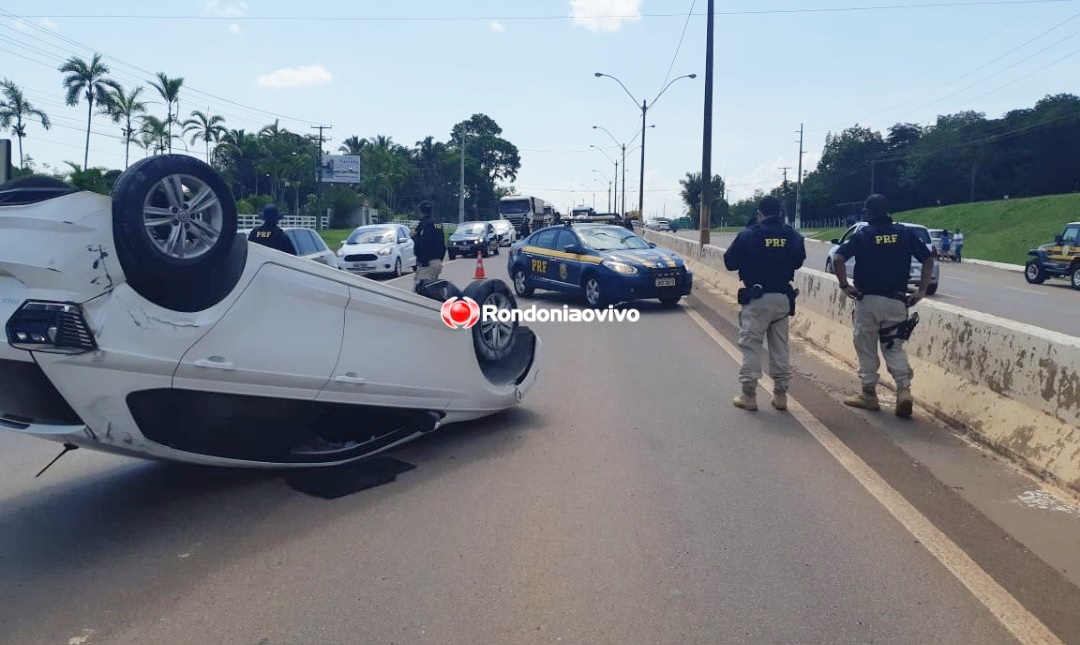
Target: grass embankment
{"x": 1001, "y": 231}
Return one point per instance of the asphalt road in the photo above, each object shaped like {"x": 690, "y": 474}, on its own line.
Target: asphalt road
{"x": 1052, "y": 305}
{"x": 624, "y": 502}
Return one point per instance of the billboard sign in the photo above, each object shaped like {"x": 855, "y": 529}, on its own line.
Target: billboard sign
{"x": 341, "y": 169}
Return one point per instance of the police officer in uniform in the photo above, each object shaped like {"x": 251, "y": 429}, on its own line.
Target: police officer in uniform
{"x": 270, "y": 234}
{"x": 766, "y": 256}
{"x": 429, "y": 245}
{"x": 882, "y": 252}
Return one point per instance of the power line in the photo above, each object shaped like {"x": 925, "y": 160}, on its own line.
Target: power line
{"x": 746, "y": 12}
{"x": 679, "y": 47}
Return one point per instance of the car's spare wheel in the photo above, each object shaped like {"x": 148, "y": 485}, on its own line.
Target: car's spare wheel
{"x": 174, "y": 224}
{"x": 494, "y": 339}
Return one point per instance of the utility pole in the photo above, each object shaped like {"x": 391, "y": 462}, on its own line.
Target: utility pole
{"x": 784, "y": 187}
{"x": 705, "y": 209}
{"x": 641, "y": 185}
{"x": 798, "y": 185}
{"x": 616, "y": 210}
{"x": 623, "y": 200}
{"x": 318, "y": 177}
{"x": 972, "y": 181}
{"x": 461, "y": 189}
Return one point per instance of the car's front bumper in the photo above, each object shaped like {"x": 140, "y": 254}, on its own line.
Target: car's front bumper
{"x": 463, "y": 248}
{"x": 380, "y": 265}
{"x": 651, "y": 283}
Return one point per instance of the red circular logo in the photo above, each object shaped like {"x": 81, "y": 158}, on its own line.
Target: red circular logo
{"x": 460, "y": 313}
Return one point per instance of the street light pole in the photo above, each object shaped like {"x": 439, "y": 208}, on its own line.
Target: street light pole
{"x": 705, "y": 214}
{"x": 644, "y": 110}
{"x": 461, "y": 187}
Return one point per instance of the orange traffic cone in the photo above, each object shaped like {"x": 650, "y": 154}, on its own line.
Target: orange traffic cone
{"x": 479, "y": 267}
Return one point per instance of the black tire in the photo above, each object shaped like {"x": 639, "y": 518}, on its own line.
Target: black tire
{"x": 522, "y": 287}
{"x": 452, "y": 255}
{"x": 1034, "y": 273}
{"x": 828, "y": 265}
{"x": 593, "y": 292}
{"x": 397, "y": 268}
{"x": 494, "y": 341}
{"x": 932, "y": 289}
{"x": 174, "y": 226}
{"x": 1074, "y": 278}
{"x": 670, "y": 301}
{"x": 496, "y": 248}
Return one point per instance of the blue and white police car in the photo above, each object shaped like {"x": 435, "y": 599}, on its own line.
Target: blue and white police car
{"x": 606, "y": 264}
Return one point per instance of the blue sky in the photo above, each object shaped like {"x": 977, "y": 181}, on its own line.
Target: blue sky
{"x": 413, "y": 68}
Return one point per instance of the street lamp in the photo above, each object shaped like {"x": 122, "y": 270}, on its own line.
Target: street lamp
{"x": 622, "y": 146}
{"x": 608, "y": 188}
{"x": 616, "y": 162}
{"x": 644, "y": 110}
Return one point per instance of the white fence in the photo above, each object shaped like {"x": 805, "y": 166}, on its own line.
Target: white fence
{"x": 299, "y": 221}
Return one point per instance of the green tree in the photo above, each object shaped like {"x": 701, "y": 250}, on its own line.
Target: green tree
{"x": 15, "y": 109}
{"x": 169, "y": 90}
{"x": 208, "y": 128}
{"x": 89, "y": 80}
{"x": 126, "y": 109}
{"x": 354, "y": 145}
{"x": 691, "y": 195}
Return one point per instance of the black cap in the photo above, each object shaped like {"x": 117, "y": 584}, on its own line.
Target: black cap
{"x": 876, "y": 205}
{"x": 270, "y": 211}
{"x": 769, "y": 206}
{"x": 426, "y": 207}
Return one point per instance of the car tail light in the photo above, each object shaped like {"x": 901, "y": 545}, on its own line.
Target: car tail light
{"x": 52, "y": 327}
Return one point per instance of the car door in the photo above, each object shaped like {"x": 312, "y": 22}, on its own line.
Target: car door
{"x": 539, "y": 257}
{"x": 280, "y": 339}
{"x": 843, "y": 240}
{"x": 567, "y": 267}
{"x": 323, "y": 253}
{"x": 305, "y": 248}
{"x": 406, "y": 247}
{"x": 1070, "y": 241}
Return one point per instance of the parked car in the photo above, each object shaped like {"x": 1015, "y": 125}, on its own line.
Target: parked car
{"x": 378, "y": 248}
{"x": 935, "y": 239}
{"x": 663, "y": 225}
{"x": 504, "y": 228}
{"x": 605, "y": 264}
{"x": 473, "y": 237}
{"x": 1058, "y": 260}
{"x": 914, "y": 276}
{"x": 142, "y": 324}
{"x": 308, "y": 244}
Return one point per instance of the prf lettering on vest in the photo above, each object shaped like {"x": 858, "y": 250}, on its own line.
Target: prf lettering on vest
{"x": 775, "y": 242}
{"x": 886, "y": 239}
{"x": 262, "y": 234}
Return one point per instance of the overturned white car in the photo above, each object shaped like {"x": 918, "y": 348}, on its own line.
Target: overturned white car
{"x": 143, "y": 324}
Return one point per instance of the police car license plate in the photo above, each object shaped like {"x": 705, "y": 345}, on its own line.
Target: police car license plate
{"x": 665, "y": 282}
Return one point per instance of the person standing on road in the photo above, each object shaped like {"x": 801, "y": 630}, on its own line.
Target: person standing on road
{"x": 270, "y": 234}
{"x": 882, "y": 252}
{"x": 958, "y": 245}
{"x": 429, "y": 245}
{"x": 766, "y": 255}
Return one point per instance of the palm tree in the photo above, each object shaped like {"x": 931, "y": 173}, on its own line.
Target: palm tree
{"x": 169, "y": 89}
{"x": 14, "y": 108}
{"x": 92, "y": 81}
{"x": 126, "y": 108}
{"x": 155, "y": 134}
{"x": 208, "y": 128}
{"x": 354, "y": 145}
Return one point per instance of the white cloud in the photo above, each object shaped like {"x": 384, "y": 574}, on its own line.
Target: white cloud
{"x": 604, "y": 15}
{"x": 234, "y": 28}
{"x": 303, "y": 76}
{"x": 496, "y": 26}
{"x": 227, "y": 9}
{"x": 48, "y": 23}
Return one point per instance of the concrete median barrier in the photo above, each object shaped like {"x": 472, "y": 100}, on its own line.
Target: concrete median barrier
{"x": 1011, "y": 386}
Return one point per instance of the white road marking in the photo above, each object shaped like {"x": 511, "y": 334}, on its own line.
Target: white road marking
{"x": 1027, "y": 629}
{"x": 953, "y": 278}
{"x": 1034, "y": 293}
{"x": 1045, "y": 501}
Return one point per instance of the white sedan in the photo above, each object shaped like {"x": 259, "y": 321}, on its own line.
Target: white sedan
{"x": 142, "y": 324}
{"x": 914, "y": 274}
{"x": 506, "y": 231}
{"x": 378, "y": 248}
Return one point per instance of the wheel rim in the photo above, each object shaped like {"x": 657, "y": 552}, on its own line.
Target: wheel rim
{"x": 1032, "y": 271}
{"x": 592, "y": 291}
{"x": 519, "y": 281}
{"x": 1076, "y": 279}
{"x": 183, "y": 216}
{"x": 496, "y": 334}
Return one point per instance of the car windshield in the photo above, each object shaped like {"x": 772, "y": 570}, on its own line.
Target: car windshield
{"x": 515, "y": 207}
{"x": 372, "y": 236}
{"x": 502, "y": 225}
{"x": 471, "y": 229}
{"x": 611, "y": 238}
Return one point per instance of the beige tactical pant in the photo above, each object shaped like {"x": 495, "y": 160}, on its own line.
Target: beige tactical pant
{"x": 872, "y": 314}
{"x": 431, "y": 271}
{"x": 765, "y": 317}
